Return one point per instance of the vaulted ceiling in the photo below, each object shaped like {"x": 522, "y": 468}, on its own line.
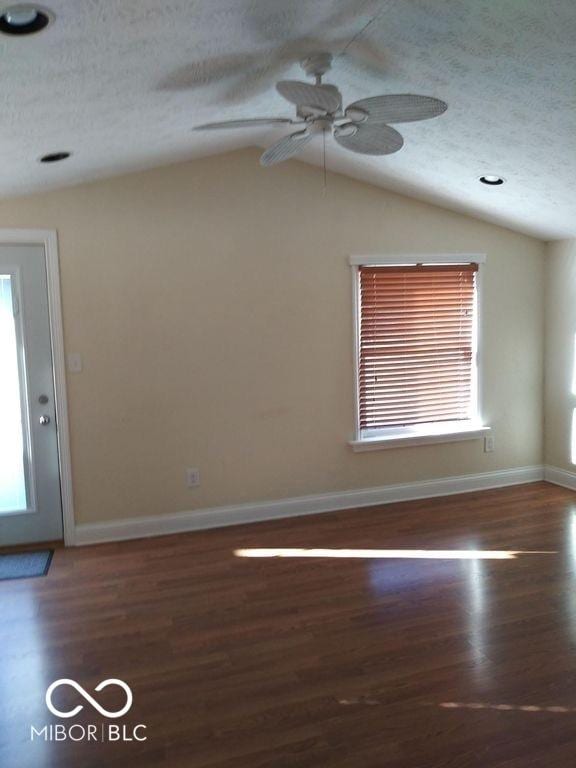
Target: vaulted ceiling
{"x": 121, "y": 83}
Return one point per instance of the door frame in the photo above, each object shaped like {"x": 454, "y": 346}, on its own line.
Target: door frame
{"x": 48, "y": 239}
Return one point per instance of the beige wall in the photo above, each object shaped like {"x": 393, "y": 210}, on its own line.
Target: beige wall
{"x": 560, "y": 352}
{"x": 211, "y": 302}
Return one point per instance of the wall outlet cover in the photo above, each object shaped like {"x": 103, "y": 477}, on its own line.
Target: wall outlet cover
{"x": 192, "y": 477}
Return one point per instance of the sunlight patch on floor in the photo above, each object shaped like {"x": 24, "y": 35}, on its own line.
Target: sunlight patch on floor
{"x": 504, "y": 707}
{"x": 416, "y": 554}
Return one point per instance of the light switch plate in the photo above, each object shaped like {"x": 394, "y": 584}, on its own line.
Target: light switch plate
{"x": 74, "y": 362}
{"x": 488, "y": 444}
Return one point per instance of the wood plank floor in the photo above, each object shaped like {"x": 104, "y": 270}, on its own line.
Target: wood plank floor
{"x": 297, "y": 661}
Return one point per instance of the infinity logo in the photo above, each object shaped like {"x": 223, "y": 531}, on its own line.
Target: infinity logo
{"x": 84, "y": 694}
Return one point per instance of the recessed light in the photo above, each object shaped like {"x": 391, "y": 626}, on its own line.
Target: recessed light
{"x": 55, "y": 157}
{"x": 24, "y": 19}
{"x": 492, "y": 180}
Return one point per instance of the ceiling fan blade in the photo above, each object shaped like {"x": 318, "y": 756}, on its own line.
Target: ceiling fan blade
{"x": 397, "y": 108}
{"x": 324, "y": 97}
{"x": 254, "y": 123}
{"x": 285, "y": 148}
{"x": 368, "y": 139}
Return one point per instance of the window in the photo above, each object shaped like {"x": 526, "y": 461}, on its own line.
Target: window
{"x": 417, "y": 351}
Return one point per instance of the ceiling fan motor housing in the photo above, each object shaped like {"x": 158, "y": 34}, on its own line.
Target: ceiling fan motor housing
{"x": 317, "y": 64}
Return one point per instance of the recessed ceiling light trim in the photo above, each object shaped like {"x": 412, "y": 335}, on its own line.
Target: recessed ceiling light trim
{"x": 24, "y": 19}
{"x": 54, "y": 157}
{"x": 492, "y": 180}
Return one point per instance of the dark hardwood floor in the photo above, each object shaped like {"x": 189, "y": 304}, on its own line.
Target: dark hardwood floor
{"x": 358, "y": 662}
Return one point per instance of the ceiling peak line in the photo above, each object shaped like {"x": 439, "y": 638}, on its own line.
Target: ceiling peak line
{"x": 361, "y": 31}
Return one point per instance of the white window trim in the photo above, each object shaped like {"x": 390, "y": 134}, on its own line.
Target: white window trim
{"x": 420, "y": 434}
{"x": 404, "y": 259}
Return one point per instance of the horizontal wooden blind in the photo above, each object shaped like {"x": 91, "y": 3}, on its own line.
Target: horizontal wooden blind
{"x": 416, "y": 329}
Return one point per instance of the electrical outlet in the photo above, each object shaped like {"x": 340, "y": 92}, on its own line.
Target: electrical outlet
{"x": 488, "y": 444}
{"x": 192, "y": 477}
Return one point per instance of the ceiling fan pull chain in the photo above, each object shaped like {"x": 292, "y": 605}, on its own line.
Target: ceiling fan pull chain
{"x": 324, "y": 160}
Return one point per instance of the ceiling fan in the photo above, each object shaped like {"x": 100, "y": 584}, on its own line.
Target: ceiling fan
{"x": 361, "y": 127}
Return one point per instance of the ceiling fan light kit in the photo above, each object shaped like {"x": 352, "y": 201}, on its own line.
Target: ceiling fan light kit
{"x": 362, "y": 127}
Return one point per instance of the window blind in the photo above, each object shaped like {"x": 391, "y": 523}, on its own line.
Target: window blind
{"x": 416, "y": 344}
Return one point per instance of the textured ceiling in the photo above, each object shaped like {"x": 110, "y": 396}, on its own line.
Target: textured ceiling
{"x": 120, "y": 83}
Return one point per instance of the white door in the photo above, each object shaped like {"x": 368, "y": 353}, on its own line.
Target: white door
{"x": 30, "y": 501}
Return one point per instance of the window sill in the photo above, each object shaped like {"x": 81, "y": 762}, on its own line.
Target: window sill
{"x": 396, "y": 438}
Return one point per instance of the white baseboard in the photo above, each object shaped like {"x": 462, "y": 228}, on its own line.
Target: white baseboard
{"x": 560, "y": 477}
{"x": 216, "y": 517}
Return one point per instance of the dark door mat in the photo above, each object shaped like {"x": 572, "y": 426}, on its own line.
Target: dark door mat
{"x": 25, "y": 565}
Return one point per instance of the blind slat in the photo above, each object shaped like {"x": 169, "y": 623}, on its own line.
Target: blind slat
{"x": 416, "y": 344}
{"x": 394, "y": 390}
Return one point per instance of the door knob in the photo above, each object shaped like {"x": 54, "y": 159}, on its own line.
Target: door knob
{"x": 44, "y": 419}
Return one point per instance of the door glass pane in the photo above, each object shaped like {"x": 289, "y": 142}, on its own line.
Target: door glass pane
{"x": 12, "y": 464}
